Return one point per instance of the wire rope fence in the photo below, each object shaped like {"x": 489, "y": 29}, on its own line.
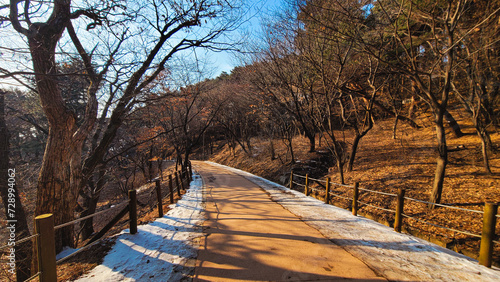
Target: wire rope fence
{"x": 44, "y": 231}
{"x": 393, "y": 205}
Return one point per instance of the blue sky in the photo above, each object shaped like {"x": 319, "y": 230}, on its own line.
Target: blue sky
{"x": 226, "y": 61}
{"x": 219, "y": 62}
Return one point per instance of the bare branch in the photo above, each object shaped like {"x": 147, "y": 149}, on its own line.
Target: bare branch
{"x": 14, "y": 17}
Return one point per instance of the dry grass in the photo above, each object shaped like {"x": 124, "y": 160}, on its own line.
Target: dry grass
{"x": 408, "y": 162}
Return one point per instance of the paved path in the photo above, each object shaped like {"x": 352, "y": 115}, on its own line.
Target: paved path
{"x": 249, "y": 237}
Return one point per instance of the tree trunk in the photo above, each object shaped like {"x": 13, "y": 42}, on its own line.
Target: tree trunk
{"x": 395, "y": 127}
{"x": 290, "y": 148}
{"x": 312, "y": 141}
{"x": 453, "y": 124}
{"x": 273, "y": 152}
{"x": 249, "y": 147}
{"x": 338, "y": 152}
{"x": 90, "y": 203}
{"x": 23, "y": 252}
{"x": 354, "y": 149}
{"x": 411, "y": 109}
{"x": 58, "y": 183}
{"x": 187, "y": 154}
{"x": 60, "y": 173}
{"x": 159, "y": 163}
{"x": 407, "y": 120}
{"x": 340, "y": 167}
{"x": 483, "y": 135}
{"x": 442, "y": 161}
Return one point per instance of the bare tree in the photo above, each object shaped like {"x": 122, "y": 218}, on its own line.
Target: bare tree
{"x": 425, "y": 40}
{"x": 14, "y": 211}
{"x": 478, "y": 65}
{"x": 278, "y": 72}
{"x": 239, "y": 115}
{"x": 170, "y": 31}
{"x": 339, "y": 74}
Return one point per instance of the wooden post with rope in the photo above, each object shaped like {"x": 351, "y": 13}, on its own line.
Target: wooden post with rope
{"x": 327, "y": 194}
{"x": 46, "y": 246}
{"x": 398, "y": 222}
{"x": 171, "y": 188}
{"x": 132, "y": 195}
{"x": 488, "y": 234}
{"x": 355, "y": 197}
{"x": 160, "y": 199}
{"x": 306, "y": 188}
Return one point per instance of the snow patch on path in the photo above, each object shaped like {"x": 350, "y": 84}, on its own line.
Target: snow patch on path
{"x": 393, "y": 255}
{"x": 159, "y": 250}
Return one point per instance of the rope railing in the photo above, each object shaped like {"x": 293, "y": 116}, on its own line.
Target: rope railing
{"x": 393, "y": 195}
{"x": 407, "y": 198}
{"x": 316, "y": 190}
{"x": 319, "y": 180}
{"x": 341, "y": 185}
{"x": 27, "y": 238}
{"x": 443, "y": 227}
{"x": 20, "y": 241}
{"x": 47, "y": 220}
{"x": 300, "y": 176}
{"x": 376, "y": 207}
{"x": 167, "y": 195}
{"x": 378, "y": 192}
{"x": 177, "y": 183}
{"x": 298, "y": 184}
{"x": 489, "y": 214}
{"x": 33, "y": 277}
{"x": 341, "y": 197}
{"x": 444, "y": 206}
{"x": 90, "y": 216}
{"x": 79, "y": 251}
{"x": 103, "y": 211}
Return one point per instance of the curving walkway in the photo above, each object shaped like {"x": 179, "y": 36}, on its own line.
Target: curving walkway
{"x": 250, "y": 237}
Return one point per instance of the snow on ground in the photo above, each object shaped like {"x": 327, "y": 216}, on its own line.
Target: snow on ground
{"x": 393, "y": 255}
{"x": 159, "y": 250}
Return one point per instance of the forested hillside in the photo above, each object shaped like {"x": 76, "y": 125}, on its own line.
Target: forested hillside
{"x": 392, "y": 94}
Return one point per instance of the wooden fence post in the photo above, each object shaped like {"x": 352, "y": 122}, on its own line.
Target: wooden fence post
{"x": 132, "y": 195}
{"x": 171, "y": 188}
{"x": 180, "y": 186}
{"x": 327, "y": 194}
{"x": 355, "y": 197}
{"x": 46, "y": 245}
{"x": 190, "y": 172}
{"x": 306, "y": 188}
{"x": 398, "y": 222}
{"x": 488, "y": 234}
{"x": 160, "y": 199}
{"x": 291, "y": 180}
{"x": 183, "y": 179}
